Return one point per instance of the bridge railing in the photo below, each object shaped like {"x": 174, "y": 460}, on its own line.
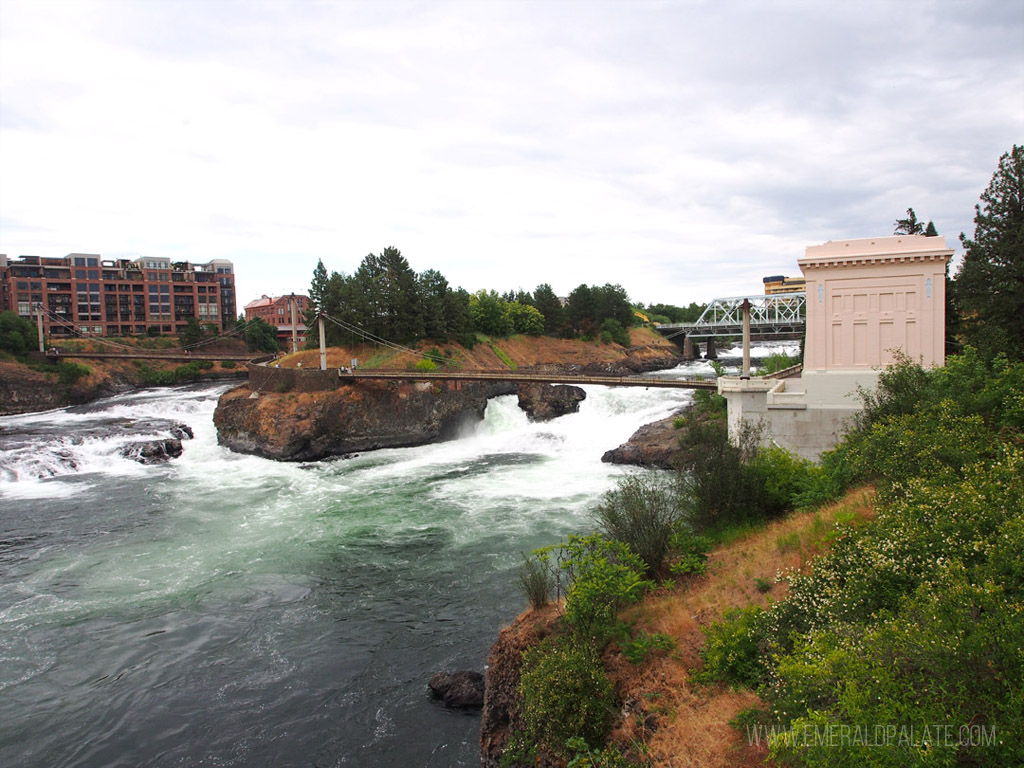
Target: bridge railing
{"x": 768, "y": 310}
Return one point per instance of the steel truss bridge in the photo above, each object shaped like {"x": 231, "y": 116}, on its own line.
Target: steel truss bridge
{"x": 772, "y": 316}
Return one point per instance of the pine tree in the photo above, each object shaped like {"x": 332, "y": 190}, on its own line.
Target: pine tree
{"x": 989, "y": 286}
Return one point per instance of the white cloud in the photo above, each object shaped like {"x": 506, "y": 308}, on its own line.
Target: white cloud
{"x": 682, "y": 149}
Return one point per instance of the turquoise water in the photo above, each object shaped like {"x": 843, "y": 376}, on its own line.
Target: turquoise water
{"x": 227, "y": 610}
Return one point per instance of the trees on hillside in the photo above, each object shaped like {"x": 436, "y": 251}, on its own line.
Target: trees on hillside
{"x": 386, "y": 298}
{"x": 260, "y": 336}
{"x": 911, "y": 226}
{"x": 17, "y": 334}
{"x": 989, "y": 287}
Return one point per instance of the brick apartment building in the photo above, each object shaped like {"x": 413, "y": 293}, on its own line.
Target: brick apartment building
{"x": 83, "y": 293}
{"x": 275, "y": 310}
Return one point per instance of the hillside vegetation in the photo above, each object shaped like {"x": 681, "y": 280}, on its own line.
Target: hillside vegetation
{"x": 882, "y": 630}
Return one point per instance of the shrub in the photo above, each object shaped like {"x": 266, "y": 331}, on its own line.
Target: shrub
{"x": 614, "y": 331}
{"x": 536, "y": 578}
{"x": 205, "y": 365}
{"x": 719, "y": 491}
{"x": 566, "y": 695}
{"x": 710, "y": 403}
{"x": 637, "y": 647}
{"x": 775, "y": 362}
{"x": 68, "y": 373}
{"x": 689, "y": 550}
{"x": 604, "y": 576}
{"x": 467, "y": 340}
{"x": 18, "y": 335}
{"x": 733, "y": 649}
{"x": 641, "y": 511}
{"x": 227, "y": 364}
{"x": 425, "y": 365}
{"x": 784, "y": 477}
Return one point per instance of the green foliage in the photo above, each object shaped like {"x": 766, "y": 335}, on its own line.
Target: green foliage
{"x": 604, "y": 577}
{"x": 425, "y": 365}
{"x": 718, "y": 488}
{"x": 710, "y": 404}
{"x": 673, "y": 314}
{"x": 585, "y": 757}
{"x": 526, "y": 319}
{"x": 775, "y": 362}
{"x": 909, "y": 225}
{"x": 192, "y": 333}
{"x": 151, "y": 377}
{"x": 260, "y": 336}
{"x": 916, "y": 619}
{"x": 508, "y": 361}
{"x": 785, "y": 478}
{"x": 68, "y": 374}
{"x": 566, "y": 695}
{"x": 467, "y": 340}
{"x": 988, "y": 292}
{"x": 490, "y": 315}
{"x": 205, "y": 365}
{"x": 550, "y": 306}
{"x": 612, "y": 331}
{"x": 689, "y": 551}
{"x": 641, "y": 511}
{"x": 536, "y": 578}
{"x": 901, "y": 386}
{"x": 227, "y": 364}
{"x": 733, "y": 650}
{"x": 18, "y": 335}
{"x": 762, "y": 585}
{"x": 589, "y": 306}
{"x": 638, "y": 646}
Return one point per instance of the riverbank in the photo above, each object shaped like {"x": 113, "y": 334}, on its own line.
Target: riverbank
{"x": 666, "y": 715}
{"x": 282, "y": 422}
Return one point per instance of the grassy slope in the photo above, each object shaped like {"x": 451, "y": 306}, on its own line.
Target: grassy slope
{"x": 521, "y": 350}
{"x": 691, "y": 722}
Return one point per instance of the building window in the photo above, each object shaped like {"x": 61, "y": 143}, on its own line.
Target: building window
{"x": 24, "y": 308}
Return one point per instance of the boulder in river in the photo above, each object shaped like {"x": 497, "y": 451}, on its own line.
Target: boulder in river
{"x": 153, "y": 451}
{"x": 653, "y": 445}
{"x": 182, "y": 432}
{"x": 459, "y": 690}
{"x": 543, "y": 402}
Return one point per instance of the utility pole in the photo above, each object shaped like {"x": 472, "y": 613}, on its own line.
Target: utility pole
{"x": 323, "y": 345}
{"x": 746, "y": 339}
{"x": 39, "y": 324}
{"x": 292, "y": 302}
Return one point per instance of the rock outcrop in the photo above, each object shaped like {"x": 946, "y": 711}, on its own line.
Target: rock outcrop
{"x": 653, "y": 445}
{"x": 153, "y": 451}
{"x": 543, "y": 402}
{"x": 362, "y": 416}
{"x": 458, "y": 690}
{"x": 500, "y": 717}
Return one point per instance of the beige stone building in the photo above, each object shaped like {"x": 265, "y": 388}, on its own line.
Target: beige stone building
{"x": 867, "y": 300}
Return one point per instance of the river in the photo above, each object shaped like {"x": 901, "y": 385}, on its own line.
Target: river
{"x": 227, "y": 610}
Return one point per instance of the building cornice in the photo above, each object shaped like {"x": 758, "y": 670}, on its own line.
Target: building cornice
{"x": 865, "y": 259}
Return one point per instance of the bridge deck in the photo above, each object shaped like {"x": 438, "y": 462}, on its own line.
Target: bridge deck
{"x": 149, "y": 355}
{"x": 536, "y": 377}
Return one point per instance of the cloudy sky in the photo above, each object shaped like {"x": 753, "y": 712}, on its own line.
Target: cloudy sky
{"x": 684, "y": 149}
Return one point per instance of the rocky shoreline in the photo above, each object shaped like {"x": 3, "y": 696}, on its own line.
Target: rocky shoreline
{"x": 369, "y": 415}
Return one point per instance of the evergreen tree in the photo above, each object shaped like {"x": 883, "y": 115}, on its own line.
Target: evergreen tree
{"x": 579, "y": 310}
{"x": 192, "y": 333}
{"x": 260, "y": 336}
{"x": 989, "y": 286}
{"x": 433, "y": 291}
{"x": 551, "y": 307}
{"x": 909, "y": 225}
{"x": 318, "y": 287}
